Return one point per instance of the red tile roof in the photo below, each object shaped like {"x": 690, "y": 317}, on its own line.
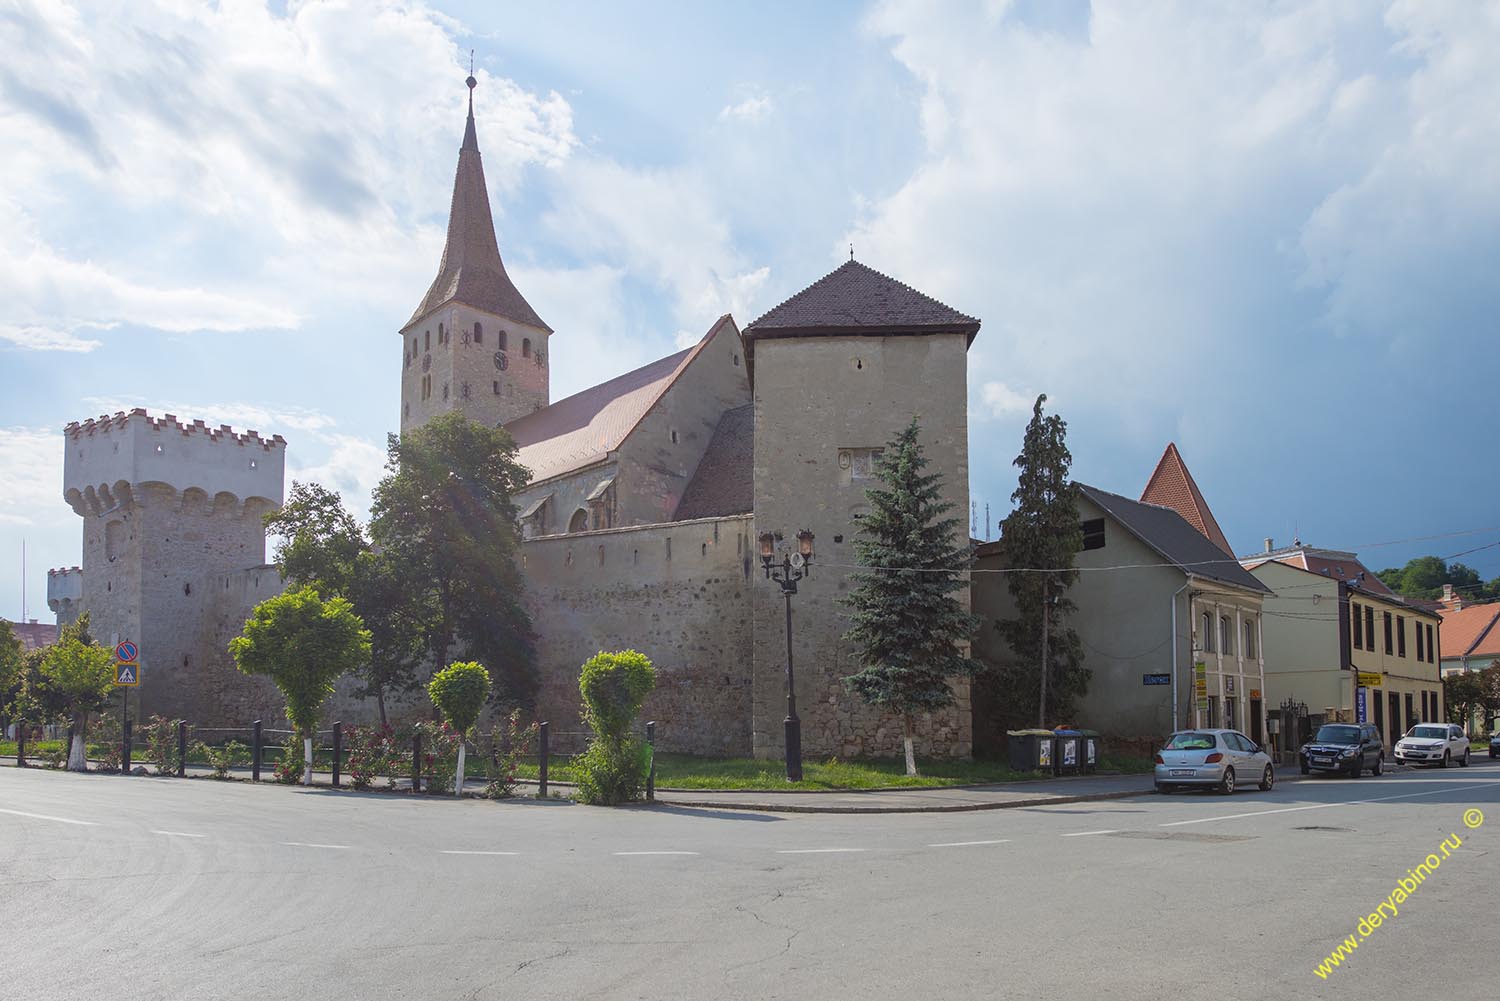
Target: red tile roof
{"x": 1171, "y": 485}
{"x": 1471, "y": 632}
{"x": 35, "y": 635}
{"x": 584, "y": 428}
{"x": 471, "y": 271}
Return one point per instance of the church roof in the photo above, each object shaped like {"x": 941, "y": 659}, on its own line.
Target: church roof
{"x": 584, "y": 428}
{"x": 471, "y": 271}
{"x": 724, "y": 481}
{"x": 855, "y": 299}
{"x": 1171, "y": 485}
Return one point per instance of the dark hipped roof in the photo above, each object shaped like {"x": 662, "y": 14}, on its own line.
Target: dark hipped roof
{"x": 1178, "y": 542}
{"x": 1171, "y": 485}
{"x": 471, "y": 271}
{"x": 855, "y": 299}
{"x": 723, "y": 483}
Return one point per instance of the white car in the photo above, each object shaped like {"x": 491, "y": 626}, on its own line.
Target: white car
{"x": 1433, "y": 744}
{"x": 1217, "y": 759}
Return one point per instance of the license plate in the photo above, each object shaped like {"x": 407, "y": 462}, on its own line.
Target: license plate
{"x": 1182, "y": 773}
{"x": 1322, "y": 761}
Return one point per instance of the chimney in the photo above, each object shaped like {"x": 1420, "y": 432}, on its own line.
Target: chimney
{"x": 1451, "y": 601}
{"x": 1270, "y": 545}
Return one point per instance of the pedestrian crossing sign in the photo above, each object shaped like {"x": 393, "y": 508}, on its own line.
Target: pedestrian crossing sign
{"x": 127, "y": 674}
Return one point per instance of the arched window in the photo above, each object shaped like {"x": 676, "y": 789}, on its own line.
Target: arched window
{"x": 502, "y": 344}
{"x": 442, "y": 336}
{"x": 526, "y": 347}
{"x": 1226, "y": 636}
{"x": 1206, "y": 632}
{"x": 1249, "y": 647}
{"x": 427, "y": 340}
{"x": 478, "y": 332}
{"x": 579, "y": 522}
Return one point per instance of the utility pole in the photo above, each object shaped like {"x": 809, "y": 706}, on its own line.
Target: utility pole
{"x": 1041, "y": 709}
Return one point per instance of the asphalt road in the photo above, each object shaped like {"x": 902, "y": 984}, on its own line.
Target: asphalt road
{"x": 126, "y": 888}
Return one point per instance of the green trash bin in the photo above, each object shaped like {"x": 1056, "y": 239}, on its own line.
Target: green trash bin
{"x": 1030, "y": 750}
{"x": 1093, "y": 745}
{"x": 1068, "y": 757}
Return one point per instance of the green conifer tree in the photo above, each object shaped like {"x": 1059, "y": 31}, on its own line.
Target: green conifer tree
{"x": 910, "y": 628}
{"x": 1038, "y": 541}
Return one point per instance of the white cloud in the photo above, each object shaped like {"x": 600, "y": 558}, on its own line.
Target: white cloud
{"x": 665, "y": 226}
{"x": 352, "y": 466}
{"x": 46, "y": 339}
{"x": 32, "y": 459}
{"x": 265, "y": 163}
{"x": 751, "y": 109}
{"x": 999, "y": 400}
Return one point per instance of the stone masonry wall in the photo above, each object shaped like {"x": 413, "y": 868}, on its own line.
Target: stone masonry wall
{"x": 679, "y": 593}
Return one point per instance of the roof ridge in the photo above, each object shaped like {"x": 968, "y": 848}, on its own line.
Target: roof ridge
{"x": 853, "y": 265}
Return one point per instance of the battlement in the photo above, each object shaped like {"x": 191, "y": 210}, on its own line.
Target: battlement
{"x": 112, "y": 460}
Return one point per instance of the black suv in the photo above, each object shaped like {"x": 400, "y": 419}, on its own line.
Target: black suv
{"x": 1495, "y": 745}
{"x": 1344, "y": 747}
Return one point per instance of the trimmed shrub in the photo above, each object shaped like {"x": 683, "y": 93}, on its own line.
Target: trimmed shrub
{"x": 613, "y": 768}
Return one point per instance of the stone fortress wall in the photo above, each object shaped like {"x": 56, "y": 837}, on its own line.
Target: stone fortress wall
{"x": 679, "y": 593}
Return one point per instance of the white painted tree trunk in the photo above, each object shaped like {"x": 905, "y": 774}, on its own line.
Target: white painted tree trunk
{"x": 77, "y": 760}
{"x": 458, "y": 780}
{"x": 911, "y": 756}
{"x": 307, "y": 761}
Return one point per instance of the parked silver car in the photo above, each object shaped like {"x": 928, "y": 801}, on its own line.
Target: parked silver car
{"x": 1219, "y": 759}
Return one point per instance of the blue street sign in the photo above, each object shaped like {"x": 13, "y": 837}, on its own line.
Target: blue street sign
{"x": 1359, "y": 705}
{"x": 127, "y": 674}
{"x": 126, "y": 652}
{"x": 1156, "y": 679}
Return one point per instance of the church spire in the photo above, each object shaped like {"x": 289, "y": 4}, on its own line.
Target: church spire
{"x": 471, "y": 271}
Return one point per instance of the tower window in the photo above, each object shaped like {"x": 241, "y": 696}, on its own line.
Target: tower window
{"x": 478, "y": 332}
{"x": 445, "y": 390}
{"x": 496, "y": 386}
{"x": 736, "y": 360}
{"x": 674, "y": 436}
{"x": 442, "y": 335}
{"x": 406, "y": 409}
{"x": 427, "y": 340}
{"x": 502, "y": 344}
{"x": 526, "y": 347}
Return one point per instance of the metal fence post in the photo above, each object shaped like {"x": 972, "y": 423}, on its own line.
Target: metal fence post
{"x": 541, "y": 770}
{"x": 338, "y": 751}
{"x": 125, "y": 762}
{"x": 651, "y": 772}
{"x": 416, "y": 762}
{"x": 182, "y": 748}
{"x": 20, "y": 743}
{"x": 255, "y": 749}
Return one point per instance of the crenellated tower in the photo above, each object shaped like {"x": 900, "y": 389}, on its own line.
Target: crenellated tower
{"x": 170, "y": 511}
{"x": 474, "y": 344}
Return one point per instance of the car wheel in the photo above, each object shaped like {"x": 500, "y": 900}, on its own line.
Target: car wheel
{"x": 1268, "y": 780}
{"x": 1226, "y": 784}
{"x": 1306, "y": 770}
{"x": 1463, "y": 762}
{"x": 1161, "y": 789}
{"x": 1445, "y": 760}
{"x": 1379, "y": 765}
{"x": 1356, "y": 767}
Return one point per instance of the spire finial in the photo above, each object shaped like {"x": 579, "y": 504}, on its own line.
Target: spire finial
{"x": 470, "y": 141}
{"x": 851, "y": 251}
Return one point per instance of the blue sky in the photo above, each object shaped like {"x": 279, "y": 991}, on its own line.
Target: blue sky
{"x": 1267, "y": 233}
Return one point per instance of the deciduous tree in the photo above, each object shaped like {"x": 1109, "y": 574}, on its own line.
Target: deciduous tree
{"x": 74, "y": 680}
{"x": 444, "y": 516}
{"x": 459, "y": 691}
{"x": 911, "y": 630}
{"x": 304, "y": 645}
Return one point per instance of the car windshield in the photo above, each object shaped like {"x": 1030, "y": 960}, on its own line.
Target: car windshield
{"x": 1429, "y": 732}
{"x": 1191, "y": 742}
{"x": 1337, "y": 735}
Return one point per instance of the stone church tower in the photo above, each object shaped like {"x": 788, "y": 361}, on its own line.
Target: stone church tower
{"x": 474, "y": 344}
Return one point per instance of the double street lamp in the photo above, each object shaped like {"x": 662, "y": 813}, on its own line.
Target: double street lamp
{"x": 792, "y": 568}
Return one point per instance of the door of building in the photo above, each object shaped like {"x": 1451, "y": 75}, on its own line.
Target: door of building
{"x": 1380, "y": 716}
{"x": 1255, "y": 733}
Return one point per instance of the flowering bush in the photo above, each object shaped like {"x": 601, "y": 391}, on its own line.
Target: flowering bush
{"x": 370, "y": 751}
{"x": 221, "y": 759}
{"x": 505, "y": 750}
{"x": 290, "y": 765}
{"x": 439, "y": 756}
{"x": 160, "y": 738}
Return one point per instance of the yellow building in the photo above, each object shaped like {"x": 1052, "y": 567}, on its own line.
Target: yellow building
{"x": 1337, "y": 640}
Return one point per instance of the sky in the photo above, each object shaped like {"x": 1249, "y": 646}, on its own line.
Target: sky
{"x": 1267, "y": 232}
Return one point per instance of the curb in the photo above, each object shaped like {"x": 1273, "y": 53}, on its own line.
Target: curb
{"x": 700, "y": 804}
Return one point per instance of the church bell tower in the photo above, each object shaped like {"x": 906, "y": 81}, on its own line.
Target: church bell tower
{"x": 474, "y": 344}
